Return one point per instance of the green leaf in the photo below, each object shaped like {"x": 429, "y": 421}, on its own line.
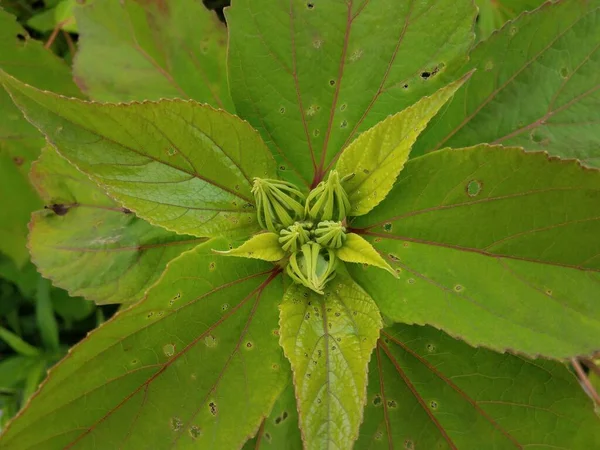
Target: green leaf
{"x": 178, "y": 164}
{"x": 310, "y": 76}
{"x": 263, "y": 246}
{"x": 14, "y": 369}
{"x": 378, "y": 155}
{"x": 536, "y": 86}
{"x": 492, "y": 245}
{"x": 495, "y": 13}
{"x": 279, "y": 430}
{"x": 20, "y": 142}
{"x": 59, "y": 17}
{"x": 356, "y": 249}
{"x": 87, "y": 244}
{"x": 427, "y": 390}
{"x": 17, "y": 344}
{"x": 328, "y": 340}
{"x": 44, "y": 316}
{"x": 132, "y": 50}
{"x": 196, "y": 364}
{"x": 70, "y": 308}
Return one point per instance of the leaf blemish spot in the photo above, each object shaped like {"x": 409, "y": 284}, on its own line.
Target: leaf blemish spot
{"x": 474, "y": 188}
{"x": 489, "y": 65}
{"x": 343, "y": 107}
{"x": 317, "y": 43}
{"x": 356, "y": 54}
{"x": 332, "y": 82}
{"x": 549, "y": 292}
{"x": 316, "y": 132}
{"x": 213, "y": 408}
{"x": 409, "y": 445}
{"x": 344, "y": 124}
{"x": 21, "y": 37}
{"x": 411, "y": 281}
{"x": 249, "y": 345}
{"x": 210, "y": 341}
{"x": 282, "y": 110}
{"x": 387, "y": 227}
{"x": 224, "y": 306}
{"x": 392, "y": 404}
{"x": 564, "y": 72}
{"x": 168, "y": 350}
{"x": 431, "y": 348}
{"x": 377, "y": 400}
{"x": 212, "y": 266}
{"x": 310, "y": 5}
{"x": 433, "y": 404}
{"x": 378, "y": 435}
{"x": 458, "y": 288}
{"x": 176, "y": 423}
{"x": 275, "y": 367}
{"x": 194, "y": 431}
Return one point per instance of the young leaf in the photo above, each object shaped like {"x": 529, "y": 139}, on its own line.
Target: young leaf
{"x": 178, "y": 164}
{"x": 196, "y": 364}
{"x": 20, "y": 142}
{"x": 492, "y": 244}
{"x": 263, "y": 246}
{"x": 87, "y": 244}
{"x": 310, "y": 76}
{"x": 358, "y": 250}
{"x": 427, "y": 390}
{"x": 170, "y": 49}
{"x": 536, "y": 86}
{"x": 378, "y": 155}
{"x": 328, "y": 340}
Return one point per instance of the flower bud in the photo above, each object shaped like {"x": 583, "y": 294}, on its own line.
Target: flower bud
{"x": 328, "y": 201}
{"x": 295, "y": 236}
{"x": 330, "y": 234}
{"x": 313, "y": 267}
{"x": 278, "y": 203}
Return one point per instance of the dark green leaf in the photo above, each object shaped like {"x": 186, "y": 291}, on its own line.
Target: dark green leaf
{"x": 132, "y": 50}
{"x": 537, "y": 85}
{"x": 492, "y": 245}
{"x": 429, "y": 391}
{"x": 311, "y": 75}
{"x": 196, "y": 364}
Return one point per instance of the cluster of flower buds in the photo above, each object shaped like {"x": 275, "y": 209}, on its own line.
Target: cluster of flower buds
{"x": 310, "y": 228}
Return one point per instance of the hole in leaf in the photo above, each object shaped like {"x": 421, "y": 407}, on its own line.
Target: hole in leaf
{"x": 21, "y": 37}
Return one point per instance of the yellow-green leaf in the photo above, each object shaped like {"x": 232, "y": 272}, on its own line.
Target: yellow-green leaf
{"x": 358, "y": 250}
{"x": 263, "y": 246}
{"x": 329, "y": 340}
{"x": 378, "y": 155}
